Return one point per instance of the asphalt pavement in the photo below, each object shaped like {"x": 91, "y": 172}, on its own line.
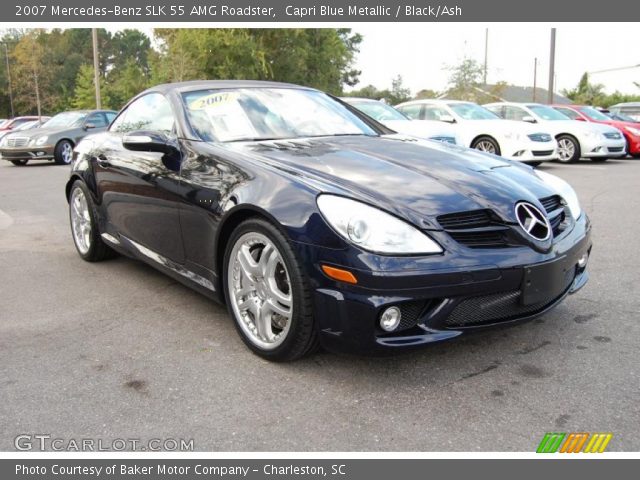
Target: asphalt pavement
{"x": 117, "y": 350}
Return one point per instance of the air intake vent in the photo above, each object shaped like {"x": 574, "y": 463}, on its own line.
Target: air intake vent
{"x": 474, "y": 229}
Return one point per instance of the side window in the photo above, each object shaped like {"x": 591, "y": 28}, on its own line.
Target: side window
{"x": 150, "y": 112}
{"x": 569, "y": 113}
{"x": 97, "y": 119}
{"x": 411, "y": 111}
{"x": 497, "y": 109}
{"x": 513, "y": 113}
{"x": 433, "y": 112}
{"x": 110, "y": 116}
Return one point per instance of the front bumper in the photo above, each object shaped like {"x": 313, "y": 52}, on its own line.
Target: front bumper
{"x": 442, "y": 303}
{"x": 43, "y": 152}
{"x": 530, "y": 151}
{"x": 602, "y": 148}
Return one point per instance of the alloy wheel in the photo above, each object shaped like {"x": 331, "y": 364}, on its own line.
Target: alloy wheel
{"x": 260, "y": 290}
{"x": 80, "y": 220}
{"x": 566, "y": 149}
{"x": 67, "y": 152}
{"x": 486, "y": 146}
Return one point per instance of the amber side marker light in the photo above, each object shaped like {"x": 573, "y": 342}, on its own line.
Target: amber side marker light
{"x": 339, "y": 274}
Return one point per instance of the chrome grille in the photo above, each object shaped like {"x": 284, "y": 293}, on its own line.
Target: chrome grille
{"x": 17, "y": 141}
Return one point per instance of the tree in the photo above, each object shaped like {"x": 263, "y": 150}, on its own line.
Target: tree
{"x": 85, "y": 90}
{"x": 321, "y": 58}
{"x": 587, "y": 92}
{"x": 398, "y": 93}
{"x": 427, "y": 93}
{"x": 464, "y": 80}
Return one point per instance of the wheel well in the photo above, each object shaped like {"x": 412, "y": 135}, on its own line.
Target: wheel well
{"x": 473, "y": 142}
{"x": 568, "y": 135}
{"x": 70, "y": 182}
{"x": 226, "y": 229}
{"x": 65, "y": 139}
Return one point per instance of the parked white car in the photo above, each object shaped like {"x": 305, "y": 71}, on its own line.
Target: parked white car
{"x": 393, "y": 119}
{"x": 483, "y": 130}
{"x": 575, "y": 139}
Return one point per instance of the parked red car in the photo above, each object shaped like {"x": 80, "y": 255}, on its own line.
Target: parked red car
{"x": 584, "y": 113}
{"x": 14, "y": 122}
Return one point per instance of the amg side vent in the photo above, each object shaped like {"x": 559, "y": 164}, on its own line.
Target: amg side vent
{"x": 475, "y": 229}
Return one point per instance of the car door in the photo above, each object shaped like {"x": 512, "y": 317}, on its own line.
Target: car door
{"x": 139, "y": 193}
{"x": 413, "y": 111}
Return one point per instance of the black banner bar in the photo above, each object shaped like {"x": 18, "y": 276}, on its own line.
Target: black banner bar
{"x": 79, "y": 11}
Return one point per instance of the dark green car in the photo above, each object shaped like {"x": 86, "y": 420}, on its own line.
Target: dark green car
{"x": 56, "y": 138}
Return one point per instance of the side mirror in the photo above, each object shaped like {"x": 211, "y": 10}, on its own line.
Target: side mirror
{"x": 447, "y": 118}
{"x": 529, "y": 118}
{"x": 89, "y": 126}
{"x": 144, "y": 141}
{"x": 580, "y": 119}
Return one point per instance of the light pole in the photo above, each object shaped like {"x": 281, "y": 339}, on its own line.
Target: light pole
{"x": 96, "y": 67}
{"x": 535, "y": 77}
{"x": 486, "y": 54}
{"x": 6, "y": 56}
{"x": 552, "y": 60}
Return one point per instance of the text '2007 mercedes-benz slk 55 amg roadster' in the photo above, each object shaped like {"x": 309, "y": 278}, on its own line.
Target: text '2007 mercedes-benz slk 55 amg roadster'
{"x": 316, "y": 225}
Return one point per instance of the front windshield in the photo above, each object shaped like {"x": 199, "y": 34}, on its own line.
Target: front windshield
{"x": 269, "y": 114}
{"x": 379, "y": 111}
{"x": 547, "y": 113}
{"x": 471, "y": 111}
{"x": 621, "y": 117}
{"x": 66, "y": 120}
{"x": 594, "y": 114}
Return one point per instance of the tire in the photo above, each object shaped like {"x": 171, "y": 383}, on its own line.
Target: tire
{"x": 89, "y": 245}
{"x": 568, "y": 149}
{"x": 486, "y": 144}
{"x": 63, "y": 153}
{"x": 19, "y": 163}
{"x": 265, "y": 283}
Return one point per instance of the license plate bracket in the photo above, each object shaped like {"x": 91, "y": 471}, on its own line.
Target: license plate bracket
{"x": 546, "y": 281}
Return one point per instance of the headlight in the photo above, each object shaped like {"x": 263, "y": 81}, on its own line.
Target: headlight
{"x": 633, "y": 131}
{"x": 39, "y": 140}
{"x": 565, "y": 190}
{"x": 373, "y": 229}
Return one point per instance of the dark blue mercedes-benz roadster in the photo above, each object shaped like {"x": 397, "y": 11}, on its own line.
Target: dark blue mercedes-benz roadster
{"x": 316, "y": 225}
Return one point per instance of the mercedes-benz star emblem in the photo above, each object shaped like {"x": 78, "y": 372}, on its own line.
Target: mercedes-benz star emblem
{"x": 533, "y": 221}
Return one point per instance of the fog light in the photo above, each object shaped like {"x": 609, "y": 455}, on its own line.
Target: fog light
{"x": 582, "y": 261}
{"x": 390, "y": 319}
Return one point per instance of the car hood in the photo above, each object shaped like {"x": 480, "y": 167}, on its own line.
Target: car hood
{"x": 575, "y": 126}
{"x": 420, "y": 128}
{"x": 414, "y": 179}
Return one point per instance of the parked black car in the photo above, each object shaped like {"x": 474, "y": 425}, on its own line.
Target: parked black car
{"x": 315, "y": 224}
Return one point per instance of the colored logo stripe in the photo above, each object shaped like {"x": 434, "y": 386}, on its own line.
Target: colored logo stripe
{"x": 550, "y": 443}
{"x": 598, "y": 442}
{"x": 574, "y": 442}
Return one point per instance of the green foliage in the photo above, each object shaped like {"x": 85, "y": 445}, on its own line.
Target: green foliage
{"x": 593, "y": 94}
{"x": 465, "y": 80}
{"x": 84, "y": 92}
{"x": 393, "y": 96}
{"x": 62, "y": 62}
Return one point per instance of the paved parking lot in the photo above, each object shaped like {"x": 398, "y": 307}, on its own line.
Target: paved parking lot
{"x": 117, "y": 350}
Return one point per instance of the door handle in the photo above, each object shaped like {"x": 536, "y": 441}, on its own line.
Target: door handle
{"x": 103, "y": 161}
